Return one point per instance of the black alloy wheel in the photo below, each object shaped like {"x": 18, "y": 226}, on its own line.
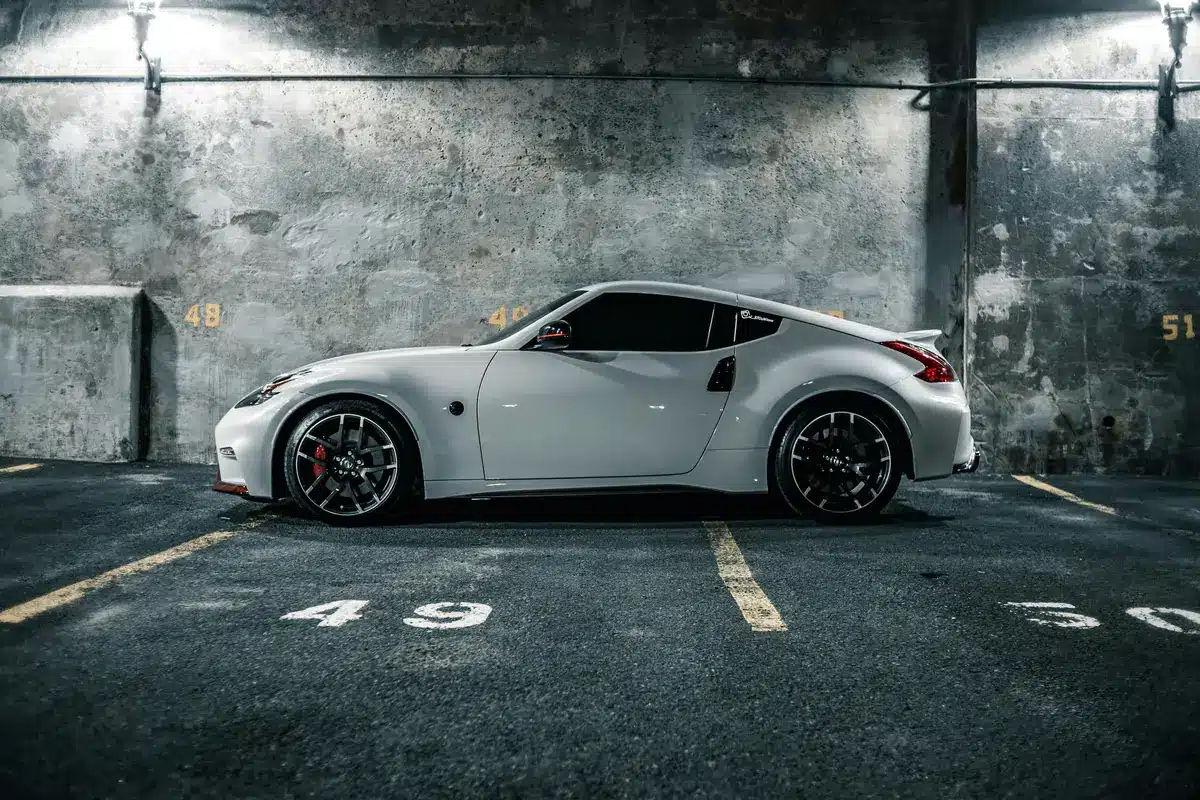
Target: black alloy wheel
{"x": 838, "y": 464}
{"x": 347, "y": 463}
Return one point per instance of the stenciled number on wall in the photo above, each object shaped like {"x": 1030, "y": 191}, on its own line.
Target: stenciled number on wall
{"x": 212, "y": 315}
{"x": 1173, "y": 327}
{"x": 502, "y": 317}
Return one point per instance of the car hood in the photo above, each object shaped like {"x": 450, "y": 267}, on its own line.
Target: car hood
{"x": 382, "y": 355}
{"x": 365, "y": 362}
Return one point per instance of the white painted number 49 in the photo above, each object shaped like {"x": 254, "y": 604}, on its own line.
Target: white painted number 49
{"x": 435, "y": 615}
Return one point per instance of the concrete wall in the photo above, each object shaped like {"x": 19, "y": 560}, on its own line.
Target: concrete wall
{"x": 70, "y": 372}
{"x": 325, "y": 218}
{"x": 1087, "y": 231}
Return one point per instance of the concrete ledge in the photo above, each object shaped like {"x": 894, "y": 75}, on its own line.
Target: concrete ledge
{"x": 70, "y": 372}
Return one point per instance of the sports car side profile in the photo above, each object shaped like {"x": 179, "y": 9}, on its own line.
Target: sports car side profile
{"x": 613, "y": 386}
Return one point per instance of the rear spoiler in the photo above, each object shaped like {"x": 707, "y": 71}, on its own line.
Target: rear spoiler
{"x": 925, "y": 338}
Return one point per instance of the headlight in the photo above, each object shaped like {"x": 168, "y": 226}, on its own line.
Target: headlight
{"x": 270, "y": 390}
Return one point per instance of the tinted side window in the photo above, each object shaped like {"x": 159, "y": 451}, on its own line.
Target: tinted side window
{"x": 640, "y": 322}
{"x": 753, "y": 325}
{"x": 740, "y": 325}
{"x": 724, "y": 322}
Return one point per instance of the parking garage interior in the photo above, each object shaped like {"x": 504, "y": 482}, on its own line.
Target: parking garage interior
{"x": 197, "y": 196}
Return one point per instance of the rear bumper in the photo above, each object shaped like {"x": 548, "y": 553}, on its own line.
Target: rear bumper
{"x": 968, "y": 466}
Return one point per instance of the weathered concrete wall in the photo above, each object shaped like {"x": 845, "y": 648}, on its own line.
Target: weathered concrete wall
{"x": 1087, "y": 226}
{"x": 324, "y": 218}
{"x": 70, "y": 372}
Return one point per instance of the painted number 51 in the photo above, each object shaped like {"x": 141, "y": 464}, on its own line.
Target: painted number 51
{"x": 1170, "y": 324}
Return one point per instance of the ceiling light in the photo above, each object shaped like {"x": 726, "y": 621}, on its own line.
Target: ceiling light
{"x": 1176, "y": 17}
{"x": 142, "y": 12}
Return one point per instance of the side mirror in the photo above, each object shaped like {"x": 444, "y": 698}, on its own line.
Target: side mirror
{"x": 554, "y": 336}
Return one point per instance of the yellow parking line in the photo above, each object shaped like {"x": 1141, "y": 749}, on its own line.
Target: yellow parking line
{"x": 1064, "y": 494}
{"x": 18, "y": 468}
{"x": 756, "y": 607}
{"x": 69, "y": 594}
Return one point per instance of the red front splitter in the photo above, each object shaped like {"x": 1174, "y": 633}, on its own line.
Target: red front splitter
{"x": 228, "y": 488}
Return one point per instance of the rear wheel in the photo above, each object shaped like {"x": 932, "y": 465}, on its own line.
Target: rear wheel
{"x": 347, "y": 463}
{"x": 838, "y": 464}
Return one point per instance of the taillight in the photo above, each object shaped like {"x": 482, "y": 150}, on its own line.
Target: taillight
{"x": 937, "y": 369}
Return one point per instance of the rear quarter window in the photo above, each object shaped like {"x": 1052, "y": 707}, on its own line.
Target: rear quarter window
{"x": 732, "y": 325}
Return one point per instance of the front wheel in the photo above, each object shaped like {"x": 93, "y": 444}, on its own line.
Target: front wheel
{"x": 347, "y": 463}
{"x": 838, "y": 464}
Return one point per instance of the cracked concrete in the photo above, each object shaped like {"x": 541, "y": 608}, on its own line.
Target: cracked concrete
{"x": 1098, "y": 216}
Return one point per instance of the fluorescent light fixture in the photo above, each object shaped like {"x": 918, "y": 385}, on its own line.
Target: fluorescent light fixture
{"x": 142, "y": 12}
{"x": 1176, "y": 17}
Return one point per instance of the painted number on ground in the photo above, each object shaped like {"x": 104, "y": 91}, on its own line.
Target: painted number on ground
{"x": 211, "y": 315}
{"x": 332, "y": 615}
{"x": 434, "y": 615}
{"x": 1058, "y": 615}
{"x": 441, "y": 615}
{"x": 1154, "y": 616}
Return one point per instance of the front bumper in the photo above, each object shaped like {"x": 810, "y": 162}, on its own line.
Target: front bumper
{"x": 244, "y": 439}
{"x": 968, "y": 466}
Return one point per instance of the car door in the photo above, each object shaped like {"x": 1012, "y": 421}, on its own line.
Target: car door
{"x": 632, "y": 395}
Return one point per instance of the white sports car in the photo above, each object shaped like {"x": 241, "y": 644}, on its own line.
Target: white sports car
{"x": 610, "y": 387}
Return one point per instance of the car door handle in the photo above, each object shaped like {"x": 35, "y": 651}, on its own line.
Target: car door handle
{"x": 723, "y": 375}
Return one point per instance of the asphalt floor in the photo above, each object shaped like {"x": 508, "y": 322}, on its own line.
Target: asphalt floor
{"x": 596, "y": 647}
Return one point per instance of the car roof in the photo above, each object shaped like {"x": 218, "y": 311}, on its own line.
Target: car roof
{"x": 753, "y": 303}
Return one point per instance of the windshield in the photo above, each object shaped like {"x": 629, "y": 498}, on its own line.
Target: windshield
{"x": 530, "y": 318}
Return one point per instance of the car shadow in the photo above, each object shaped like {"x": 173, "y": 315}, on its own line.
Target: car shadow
{"x": 665, "y": 510}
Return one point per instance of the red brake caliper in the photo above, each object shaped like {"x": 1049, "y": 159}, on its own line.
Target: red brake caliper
{"x": 318, "y": 469}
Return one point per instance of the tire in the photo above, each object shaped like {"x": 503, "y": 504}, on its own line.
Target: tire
{"x": 838, "y": 463}
{"x": 335, "y": 479}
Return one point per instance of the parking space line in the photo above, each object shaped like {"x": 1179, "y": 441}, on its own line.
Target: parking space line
{"x": 69, "y": 594}
{"x": 755, "y": 606}
{"x": 18, "y": 468}
{"x": 1064, "y": 494}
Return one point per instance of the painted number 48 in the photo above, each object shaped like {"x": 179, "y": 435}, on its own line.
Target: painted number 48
{"x": 212, "y": 315}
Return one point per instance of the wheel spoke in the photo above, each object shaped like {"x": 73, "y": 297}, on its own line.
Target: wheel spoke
{"x": 322, "y": 478}
{"x": 354, "y": 497}
{"x": 310, "y": 458}
{"x": 371, "y": 486}
{"x": 332, "y": 493}
{"x": 326, "y": 444}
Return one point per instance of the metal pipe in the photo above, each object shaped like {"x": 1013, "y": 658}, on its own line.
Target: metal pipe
{"x": 977, "y": 83}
